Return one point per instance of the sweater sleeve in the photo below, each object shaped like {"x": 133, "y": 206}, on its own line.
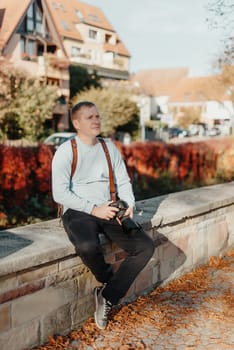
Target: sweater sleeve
{"x": 61, "y": 184}
{"x": 122, "y": 180}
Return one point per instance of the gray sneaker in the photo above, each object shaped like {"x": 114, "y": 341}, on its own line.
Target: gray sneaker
{"x": 102, "y": 306}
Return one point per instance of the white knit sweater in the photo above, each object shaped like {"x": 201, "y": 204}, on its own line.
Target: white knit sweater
{"x": 90, "y": 183}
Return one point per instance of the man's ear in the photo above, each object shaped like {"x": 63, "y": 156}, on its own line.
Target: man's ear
{"x": 76, "y": 124}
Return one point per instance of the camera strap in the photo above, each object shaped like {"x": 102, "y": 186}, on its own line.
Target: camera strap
{"x": 113, "y": 194}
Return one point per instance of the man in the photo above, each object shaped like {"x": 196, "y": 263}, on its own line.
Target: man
{"x": 87, "y": 213}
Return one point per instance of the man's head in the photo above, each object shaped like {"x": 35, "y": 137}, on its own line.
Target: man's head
{"x": 85, "y": 119}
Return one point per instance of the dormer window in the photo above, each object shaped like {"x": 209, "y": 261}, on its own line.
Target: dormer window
{"x": 65, "y": 25}
{"x": 93, "y": 18}
{"x": 79, "y": 15}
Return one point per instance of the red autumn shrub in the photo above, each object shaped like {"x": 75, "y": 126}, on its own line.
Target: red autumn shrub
{"x": 25, "y": 172}
{"x": 198, "y": 162}
{"x": 43, "y": 170}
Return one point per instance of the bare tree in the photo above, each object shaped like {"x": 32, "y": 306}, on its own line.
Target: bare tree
{"x": 221, "y": 17}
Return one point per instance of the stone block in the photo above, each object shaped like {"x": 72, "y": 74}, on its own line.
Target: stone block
{"x": 82, "y": 309}
{"x": 21, "y": 291}
{"x": 143, "y": 280}
{"x": 230, "y": 228}
{"x": 130, "y": 295}
{"x": 66, "y": 275}
{"x": 56, "y": 322}
{"x": 24, "y": 337}
{"x": 151, "y": 263}
{"x": 37, "y": 273}
{"x": 8, "y": 283}
{"x": 69, "y": 263}
{"x": 85, "y": 284}
{"x": 165, "y": 270}
{"x": 217, "y": 238}
{"x": 5, "y": 317}
{"x": 43, "y": 302}
{"x": 198, "y": 242}
{"x": 155, "y": 276}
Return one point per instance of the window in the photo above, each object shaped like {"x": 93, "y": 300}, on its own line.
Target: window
{"x": 33, "y": 20}
{"x": 108, "y": 38}
{"x": 79, "y": 15}
{"x": 38, "y": 22}
{"x": 22, "y": 45}
{"x": 30, "y": 18}
{"x": 65, "y": 25}
{"x": 31, "y": 46}
{"x": 27, "y": 48}
{"x": 75, "y": 51}
{"x": 52, "y": 81}
{"x": 93, "y": 18}
{"x": 92, "y": 34}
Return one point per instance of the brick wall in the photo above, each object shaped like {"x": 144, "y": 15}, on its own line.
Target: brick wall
{"x": 45, "y": 289}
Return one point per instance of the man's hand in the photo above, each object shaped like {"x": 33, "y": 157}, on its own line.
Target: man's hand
{"x": 104, "y": 211}
{"x": 129, "y": 212}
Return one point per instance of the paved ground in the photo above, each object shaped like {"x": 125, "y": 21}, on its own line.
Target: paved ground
{"x": 194, "y": 312}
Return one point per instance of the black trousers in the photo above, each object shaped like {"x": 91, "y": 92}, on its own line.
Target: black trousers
{"x": 83, "y": 231}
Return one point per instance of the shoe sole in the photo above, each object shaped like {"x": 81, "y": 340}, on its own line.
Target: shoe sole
{"x": 96, "y": 289}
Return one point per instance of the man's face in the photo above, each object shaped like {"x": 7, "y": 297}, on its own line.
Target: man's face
{"x": 88, "y": 122}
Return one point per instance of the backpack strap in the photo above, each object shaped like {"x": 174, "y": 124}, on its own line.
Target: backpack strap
{"x": 111, "y": 175}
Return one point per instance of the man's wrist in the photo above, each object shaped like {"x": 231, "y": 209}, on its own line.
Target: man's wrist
{"x": 93, "y": 209}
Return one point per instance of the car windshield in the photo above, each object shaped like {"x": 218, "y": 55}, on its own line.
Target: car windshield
{"x": 56, "y": 139}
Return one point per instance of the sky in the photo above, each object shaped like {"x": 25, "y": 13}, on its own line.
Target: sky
{"x": 165, "y": 33}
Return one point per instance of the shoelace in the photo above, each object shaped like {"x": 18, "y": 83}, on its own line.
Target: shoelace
{"x": 107, "y": 308}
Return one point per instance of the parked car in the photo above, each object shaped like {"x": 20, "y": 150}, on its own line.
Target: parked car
{"x": 177, "y": 132}
{"x": 214, "y": 131}
{"x": 58, "y": 138}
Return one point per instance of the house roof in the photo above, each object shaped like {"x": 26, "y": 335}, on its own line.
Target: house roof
{"x": 65, "y": 18}
{"x": 10, "y": 18}
{"x": 176, "y": 84}
{"x": 66, "y": 15}
{"x": 92, "y": 15}
{"x": 159, "y": 82}
{"x": 200, "y": 89}
{"x": 69, "y": 13}
{"x": 119, "y": 48}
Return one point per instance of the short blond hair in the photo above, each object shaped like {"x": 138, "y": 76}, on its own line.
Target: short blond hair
{"x": 76, "y": 108}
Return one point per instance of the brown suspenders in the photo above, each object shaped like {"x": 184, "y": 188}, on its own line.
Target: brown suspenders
{"x": 111, "y": 175}
{"x": 74, "y": 164}
{"x": 74, "y": 159}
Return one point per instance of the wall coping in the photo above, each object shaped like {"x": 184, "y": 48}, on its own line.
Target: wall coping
{"x": 46, "y": 241}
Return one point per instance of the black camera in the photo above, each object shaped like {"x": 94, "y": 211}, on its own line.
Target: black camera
{"x": 122, "y": 206}
{"x": 127, "y": 223}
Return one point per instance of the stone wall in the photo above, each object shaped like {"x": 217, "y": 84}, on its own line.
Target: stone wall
{"x": 45, "y": 289}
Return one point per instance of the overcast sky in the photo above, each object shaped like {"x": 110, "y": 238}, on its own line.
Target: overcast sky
{"x": 164, "y": 33}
